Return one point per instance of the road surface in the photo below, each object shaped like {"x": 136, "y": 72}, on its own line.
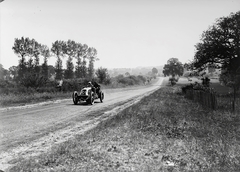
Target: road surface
{"x": 32, "y": 130}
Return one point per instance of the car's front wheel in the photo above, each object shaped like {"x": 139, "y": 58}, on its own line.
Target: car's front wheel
{"x": 91, "y": 98}
{"x": 75, "y": 98}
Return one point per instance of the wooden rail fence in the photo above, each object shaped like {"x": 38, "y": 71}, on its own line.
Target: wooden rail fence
{"x": 206, "y": 99}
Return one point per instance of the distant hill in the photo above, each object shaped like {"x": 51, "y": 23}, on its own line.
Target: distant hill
{"x": 134, "y": 71}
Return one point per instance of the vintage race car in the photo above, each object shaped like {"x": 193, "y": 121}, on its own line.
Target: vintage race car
{"x": 87, "y": 95}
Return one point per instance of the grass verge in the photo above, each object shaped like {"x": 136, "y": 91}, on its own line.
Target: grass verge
{"x": 30, "y": 98}
{"x": 163, "y": 132}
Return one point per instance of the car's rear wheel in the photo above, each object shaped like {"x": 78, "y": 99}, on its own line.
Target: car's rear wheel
{"x": 75, "y": 98}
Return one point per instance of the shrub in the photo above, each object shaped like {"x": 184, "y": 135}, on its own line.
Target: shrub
{"x": 172, "y": 81}
{"x": 142, "y": 78}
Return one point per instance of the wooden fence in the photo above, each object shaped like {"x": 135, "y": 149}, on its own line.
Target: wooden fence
{"x": 207, "y": 99}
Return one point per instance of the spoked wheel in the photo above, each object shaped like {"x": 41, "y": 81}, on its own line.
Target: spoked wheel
{"x": 91, "y": 100}
{"x": 101, "y": 97}
{"x": 75, "y": 98}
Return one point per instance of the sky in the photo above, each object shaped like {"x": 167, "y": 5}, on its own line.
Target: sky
{"x": 126, "y": 33}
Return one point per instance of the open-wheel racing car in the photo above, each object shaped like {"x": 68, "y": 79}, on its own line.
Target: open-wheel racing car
{"x": 87, "y": 94}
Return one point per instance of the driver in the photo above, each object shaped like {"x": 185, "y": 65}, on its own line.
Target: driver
{"x": 97, "y": 86}
{"x": 93, "y": 88}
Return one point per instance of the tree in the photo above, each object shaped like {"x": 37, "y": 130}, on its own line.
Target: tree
{"x": 68, "y": 73}
{"x": 154, "y": 72}
{"x": 51, "y": 71}
{"x": 58, "y": 48}
{"x": 70, "y": 51}
{"x": 92, "y": 56}
{"x": 13, "y": 70}
{"x": 2, "y": 72}
{"x": 102, "y": 75}
{"x": 25, "y": 47}
{"x": 78, "y": 56}
{"x": 36, "y": 51}
{"x": 21, "y": 47}
{"x": 59, "y": 69}
{"x": 220, "y": 48}
{"x": 83, "y": 67}
{"x": 45, "y": 52}
{"x": 127, "y": 74}
{"x": 173, "y": 67}
{"x": 211, "y": 69}
{"x": 188, "y": 66}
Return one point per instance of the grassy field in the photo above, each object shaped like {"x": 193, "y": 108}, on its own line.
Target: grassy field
{"x": 224, "y": 93}
{"x": 214, "y": 83}
{"x": 163, "y": 132}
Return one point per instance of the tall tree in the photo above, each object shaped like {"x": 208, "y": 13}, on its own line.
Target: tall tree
{"x": 45, "y": 52}
{"x": 102, "y": 75}
{"x": 51, "y": 71}
{"x": 220, "y": 48}
{"x": 22, "y": 47}
{"x": 57, "y": 49}
{"x": 154, "y": 71}
{"x": 84, "y": 62}
{"x": 68, "y": 73}
{"x": 25, "y": 47}
{"x": 220, "y": 45}
{"x": 1, "y": 72}
{"x": 173, "y": 67}
{"x": 78, "y": 56}
{"x": 36, "y": 51}
{"x": 70, "y": 51}
{"x": 92, "y": 56}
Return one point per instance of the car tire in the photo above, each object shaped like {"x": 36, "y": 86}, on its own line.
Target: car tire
{"x": 101, "y": 97}
{"x": 91, "y": 100}
{"x": 75, "y": 98}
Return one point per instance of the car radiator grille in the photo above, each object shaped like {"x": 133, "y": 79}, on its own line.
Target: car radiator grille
{"x": 83, "y": 92}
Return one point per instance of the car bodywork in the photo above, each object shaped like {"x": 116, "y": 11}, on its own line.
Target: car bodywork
{"x": 87, "y": 94}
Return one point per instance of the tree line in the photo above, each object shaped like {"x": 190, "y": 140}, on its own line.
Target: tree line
{"x": 30, "y": 51}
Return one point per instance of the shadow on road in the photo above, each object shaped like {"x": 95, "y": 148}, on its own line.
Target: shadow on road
{"x": 83, "y": 104}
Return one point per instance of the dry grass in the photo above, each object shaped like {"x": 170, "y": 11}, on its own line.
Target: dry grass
{"x": 163, "y": 132}
{"x": 28, "y": 98}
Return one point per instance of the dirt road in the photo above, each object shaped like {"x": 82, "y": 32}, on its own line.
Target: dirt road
{"x": 31, "y": 130}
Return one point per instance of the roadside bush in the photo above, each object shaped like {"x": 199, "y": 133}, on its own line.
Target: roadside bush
{"x": 74, "y": 84}
{"x": 119, "y": 77}
{"x": 6, "y": 84}
{"x": 197, "y": 86}
{"x": 142, "y": 78}
{"x": 126, "y": 81}
{"x": 50, "y": 86}
{"x": 107, "y": 80}
{"x": 172, "y": 81}
{"x": 33, "y": 81}
{"x": 131, "y": 80}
